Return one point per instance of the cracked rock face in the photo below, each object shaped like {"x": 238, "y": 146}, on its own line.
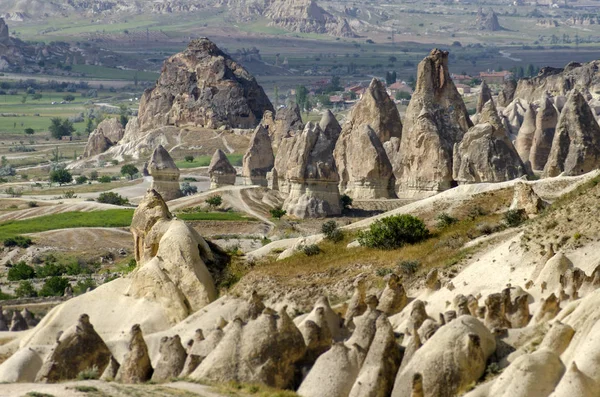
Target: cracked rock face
{"x": 435, "y": 120}
{"x": 202, "y": 86}
{"x": 106, "y": 135}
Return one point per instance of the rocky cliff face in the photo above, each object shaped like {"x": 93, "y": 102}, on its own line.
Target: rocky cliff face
{"x": 287, "y": 122}
{"x": 106, "y": 135}
{"x": 202, "y": 86}
{"x": 486, "y": 154}
{"x": 435, "y": 120}
{"x": 576, "y": 145}
{"x": 507, "y": 93}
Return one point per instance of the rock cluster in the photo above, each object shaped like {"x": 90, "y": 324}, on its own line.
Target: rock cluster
{"x": 221, "y": 171}
{"x": 259, "y": 159}
{"x": 435, "y": 120}
{"x": 108, "y": 133}
{"x": 545, "y": 127}
{"x": 165, "y": 174}
{"x": 203, "y": 86}
{"x": 287, "y": 122}
{"x": 507, "y": 93}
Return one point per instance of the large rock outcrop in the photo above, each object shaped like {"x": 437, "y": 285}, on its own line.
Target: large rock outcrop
{"x": 545, "y": 127}
{"x": 485, "y": 153}
{"x": 106, "y": 135}
{"x": 165, "y": 174}
{"x": 202, "y": 86}
{"x": 171, "y": 259}
{"x": 435, "y": 120}
{"x": 259, "y": 159}
{"x": 306, "y": 170}
{"x": 576, "y": 145}
{"x": 221, "y": 171}
{"x": 287, "y": 122}
{"x": 488, "y": 21}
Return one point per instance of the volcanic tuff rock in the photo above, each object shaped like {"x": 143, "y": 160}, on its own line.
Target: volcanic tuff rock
{"x": 4, "y": 38}
{"x": 513, "y": 116}
{"x": 136, "y": 366}
{"x": 435, "y": 120}
{"x": 507, "y": 93}
{"x": 485, "y": 95}
{"x": 306, "y": 170}
{"x": 545, "y": 126}
{"x": 259, "y": 159}
{"x": 165, "y": 174}
{"x": 287, "y": 122}
{"x": 485, "y": 153}
{"x": 78, "y": 348}
{"x": 107, "y": 134}
{"x": 526, "y": 133}
{"x": 488, "y": 21}
{"x": 221, "y": 171}
{"x": 171, "y": 361}
{"x": 576, "y": 145}
{"x": 203, "y": 86}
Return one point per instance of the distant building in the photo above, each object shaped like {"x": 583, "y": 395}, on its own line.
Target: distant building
{"x": 399, "y": 86}
{"x": 463, "y": 89}
{"x": 336, "y": 99}
{"x": 495, "y": 77}
{"x": 461, "y": 78}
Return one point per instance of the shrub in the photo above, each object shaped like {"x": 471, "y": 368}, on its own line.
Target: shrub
{"x": 408, "y": 267}
{"x": 69, "y": 194}
{"x": 94, "y": 175}
{"x": 54, "y": 286}
{"x": 188, "y": 190}
{"x": 18, "y": 241}
{"x": 105, "y": 179}
{"x": 112, "y": 198}
{"x": 331, "y": 231}
{"x": 25, "y": 290}
{"x": 346, "y": 201}
{"x": 311, "y": 250}
{"x": 444, "y": 220}
{"x": 50, "y": 269}
{"x": 278, "y": 212}
{"x": 21, "y": 271}
{"x": 29, "y": 131}
{"x": 393, "y": 232}
{"x": 214, "y": 201}
{"x": 89, "y": 374}
{"x": 82, "y": 286}
{"x": 32, "y": 204}
{"x": 81, "y": 179}
{"x": 12, "y": 192}
{"x": 61, "y": 176}
{"x": 60, "y": 127}
{"x": 514, "y": 218}
{"x": 189, "y": 159}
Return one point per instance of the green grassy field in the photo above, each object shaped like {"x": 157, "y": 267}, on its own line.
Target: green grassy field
{"x": 204, "y": 161}
{"x": 101, "y": 72}
{"x": 214, "y": 216}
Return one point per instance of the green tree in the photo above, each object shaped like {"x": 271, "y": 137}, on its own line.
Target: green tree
{"x": 54, "y": 286}
{"x": 29, "y": 131}
{"x": 61, "y": 176}
{"x": 214, "y": 201}
{"x": 530, "y": 70}
{"x": 21, "y": 271}
{"x": 276, "y": 89}
{"x": 89, "y": 126}
{"x": 187, "y": 189}
{"x": 25, "y": 290}
{"x": 302, "y": 96}
{"x": 69, "y": 98}
{"x": 189, "y": 159}
{"x": 129, "y": 170}
{"x": 123, "y": 115}
{"x": 277, "y": 213}
{"x": 60, "y": 127}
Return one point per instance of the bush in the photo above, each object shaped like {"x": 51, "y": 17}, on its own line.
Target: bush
{"x": 32, "y": 204}
{"x": 444, "y": 220}
{"x": 393, "y": 232}
{"x": 188, "y": 190}
{"x": 214, "y": 201}
{"x": 129, "y": 170}
{"x": 69, "y": 194}
{"x": 105, "y": 179}
{"x": 61, "y": 176}
{"x": 12, "y": 192}
{"x": 112, "y": 198}
{"x": 514, "y": 218}
{"x": 82, "y": 286}
{"x": 311, "y": 250}
{"x": 29, "y": 131}
{"x": 80, "y": 180}
{"x": 89, "y": 374}
{"x": 277, "y": 213}
{"x": 189, "y": 159}
{"x": 332, "y": 232}
{"x": 408, "y": 267}
{"x": 60, "y": 127}
{"x": 18, "y": 241}
{"x": 346, "y": 201}
{"x": 21, "y": 271}
{"x": 94, "y": 175}
{"x": 50, "y": 269}
{"x": 54, "y": 286}
{"x": 25, "y": 290}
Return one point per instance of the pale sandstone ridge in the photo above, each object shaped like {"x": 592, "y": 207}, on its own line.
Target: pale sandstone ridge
{"x": 204, "y": 87}
{"x": 221, "y": 171}
{"x": 576, "y": 145}
{"x": 165, "y": 174}
{"x": 545, "y": 127}
{"x": 485, "y": 95}
{"x": 526, "y": 133}
{"x": 108, "y": 133}
{"x": 307, "y": 172}
{"x": 435, "y": 120}
{"x": 485, "y": 153}
{"x": 287, "y": 122}
{"x": 259, "y": 159}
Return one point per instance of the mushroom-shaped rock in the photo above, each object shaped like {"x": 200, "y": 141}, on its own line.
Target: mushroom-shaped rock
{"x": 526, "y": 134}
{"x": 378, "y": 372}
{"x": 18, "y": 323}
{"x": 435, "y": 120}
{"x": 165, "y": 174}
{"x": 332, "y": 318}
{"x": 576, "y": 145}
{"x": 545, "y": 126}
{"x": 548, "y": 309}
{"x": 453, "y": 358}
{"x": 418, "y": 315}
{"x": 136, "y": 366}
{"x": 79, "y": 348}
{"x": 221, "y": 171}
{"x": 495, "y": 315}
{"x": 357, "y": 305}
{"x": 486, "y": 153}
{"x": 393, "y": 298}
{"x": 201, "y": 349}
{"x": 317, "y": 335}
{"x": 259, "y": 158}
{"x": 29, "y": 318}
{"x": 171, "y": 361}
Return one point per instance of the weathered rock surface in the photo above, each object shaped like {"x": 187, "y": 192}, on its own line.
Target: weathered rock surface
{"x": 171, "y": 361}
{"x": 202, "y": 86}
{"x": 435, "y": 120}
{"x": 136, "y": 366}
{"x": 287, "y": 122}
{"x": 545, "y": 127}
{"x": 485, "y": 153}
{"x": 165, "y": 174}
{"x": 221, "y": 171}
{"x": 78, "y": 348}
{"x": 4, "y": 37}
{"x": 507, "y": 94}
{"x": 18, "y": 323}
{"x": 306, "y": 170}
{"x": 106, "y": 135}
{"x": 485, "y": 95}
{"x": 575, "y": 148}
{"x": 525, "y": 136}
{"x": 488, "y": 21}
{"x": 259, "y": 159}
